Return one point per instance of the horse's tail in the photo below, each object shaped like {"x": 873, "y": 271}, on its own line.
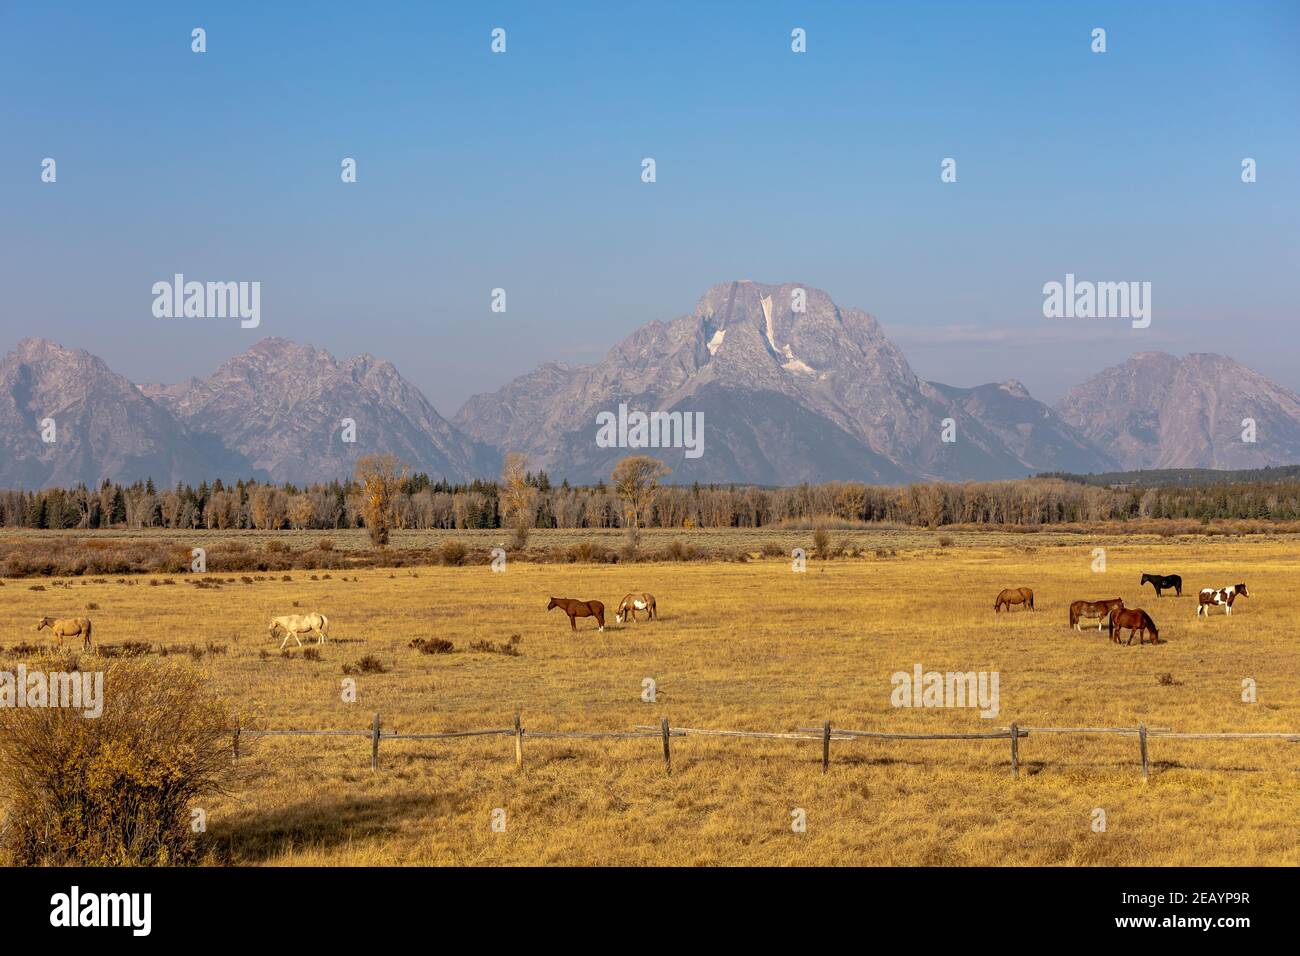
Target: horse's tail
{"x": 1110, "y": 623}
{"x": 86, "y": 637}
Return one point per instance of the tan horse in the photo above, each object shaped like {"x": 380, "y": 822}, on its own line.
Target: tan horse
{"x": 295, "y": 624}
{"x": 68, "y": 627}
{"x": 1010, "y": 596}
{"x": 636, "y": 602}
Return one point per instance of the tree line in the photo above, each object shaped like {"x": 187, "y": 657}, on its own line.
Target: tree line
{"x": 383, "y": 496}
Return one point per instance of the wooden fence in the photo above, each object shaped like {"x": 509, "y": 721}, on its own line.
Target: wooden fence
{"x": 824, "y": 734}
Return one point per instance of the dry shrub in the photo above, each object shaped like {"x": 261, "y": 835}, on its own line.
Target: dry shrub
{"x": 325, "y": 544}
{"x": 118, "y": 789}
{"x": 453, "y": 553}
{"x": 773, "y": 549}
{"x": 126, "y": 649}
{"x": 510, "y": 648}
{"x": 310, "y": 654}
{"x": 822, "y": 543}
{"x": 367, "y": 665}
{"x": 681, "y": 551}
{"x": 432, "y": 645}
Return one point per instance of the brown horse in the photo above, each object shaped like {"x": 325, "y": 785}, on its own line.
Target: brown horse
{"x": 1010, "y": 596}
{"x": 576, "y": 609}
{"x": 1137, "y": 621}
{"x": 1093, "y": 609}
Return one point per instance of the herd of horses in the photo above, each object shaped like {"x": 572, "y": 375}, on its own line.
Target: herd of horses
{"x": 628, "y": 607}
{"x": 1109, "y": 613}
{"x": 1113, "y": 615}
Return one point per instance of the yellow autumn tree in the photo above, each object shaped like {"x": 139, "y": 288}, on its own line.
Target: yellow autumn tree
{"x": 380, "y": 477}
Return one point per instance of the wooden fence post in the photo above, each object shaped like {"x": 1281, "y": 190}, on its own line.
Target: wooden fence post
{"x": 826, "y": 746}
{"x": 1142, "y": 745}
{"x": 519, "y": 742}
{"x": 374, "y": 743}
{"x": 668, "y": 756}
{"x": 1015, "y": 751}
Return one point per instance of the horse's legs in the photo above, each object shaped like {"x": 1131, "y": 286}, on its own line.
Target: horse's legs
{"x": 573, "y": 621}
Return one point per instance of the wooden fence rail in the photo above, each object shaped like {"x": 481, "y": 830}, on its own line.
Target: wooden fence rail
{"x": 823, "y": 734}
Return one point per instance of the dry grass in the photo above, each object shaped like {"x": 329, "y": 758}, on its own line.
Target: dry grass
{"x": 750, "y": 646}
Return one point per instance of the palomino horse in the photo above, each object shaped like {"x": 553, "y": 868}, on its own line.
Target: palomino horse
{"x": 636, "y": 602}
{"x": 1010, "y": 596}
{"x": 295, "y": 624}
{"x": 68, "y": 627}
{"x": 1222, "y": 597}
{"x": 1093, "y": 609}
{"x": 1137, "y": 621}
{"x": 576, "y": 609}
{"x": 1162, "y": 581}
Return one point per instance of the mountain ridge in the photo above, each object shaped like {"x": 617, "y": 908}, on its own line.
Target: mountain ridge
{"x": 791, "y": 386}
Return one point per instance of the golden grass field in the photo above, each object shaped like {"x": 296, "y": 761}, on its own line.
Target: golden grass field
{"x": 748, "y": 646}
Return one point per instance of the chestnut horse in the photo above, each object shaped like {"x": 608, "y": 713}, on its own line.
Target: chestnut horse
{"x": 1137, "y": 621}
{"x": 576, "y": 609}
{"x": 1010, "y": 596}
{"x": 1093, "y": 609}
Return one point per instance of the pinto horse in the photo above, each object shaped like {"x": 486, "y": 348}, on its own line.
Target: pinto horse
{"x": 1137, "y": 621}
{"x": 1010, "y": 596}
{"x": 1162, "y": 581}
{"x": 576, "y": 609}
{"x": 1223, "y": 597}
{"x": 1093, "y": 609}
{"x": 636, "y": 602}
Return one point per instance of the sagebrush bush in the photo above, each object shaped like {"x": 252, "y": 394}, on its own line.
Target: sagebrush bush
{"x": 453, "y": 553}
{"x": 116, "y": 790}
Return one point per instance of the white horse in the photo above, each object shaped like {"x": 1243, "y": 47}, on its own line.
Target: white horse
{"x": 295, "y": 624}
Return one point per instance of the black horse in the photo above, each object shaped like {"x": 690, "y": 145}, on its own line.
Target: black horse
{"x": 1162, "y": 581}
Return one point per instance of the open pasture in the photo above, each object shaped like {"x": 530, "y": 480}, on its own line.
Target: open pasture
{"x": 744, "y": 646}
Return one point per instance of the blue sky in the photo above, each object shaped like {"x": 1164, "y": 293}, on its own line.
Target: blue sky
{"x": 522, "y": 171}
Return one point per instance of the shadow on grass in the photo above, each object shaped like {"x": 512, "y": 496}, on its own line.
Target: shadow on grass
{"x": 256, "y": 836}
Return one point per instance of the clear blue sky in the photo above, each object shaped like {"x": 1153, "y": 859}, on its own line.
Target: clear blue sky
{"x": 522, "y": 171}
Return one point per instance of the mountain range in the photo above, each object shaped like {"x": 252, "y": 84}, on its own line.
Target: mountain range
{"x": 790, "y": 386}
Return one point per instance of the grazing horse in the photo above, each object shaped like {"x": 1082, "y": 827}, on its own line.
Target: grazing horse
{"x": 1093, "y": 609}
{"x": 295, "y": 624}
{"x": 1137, "y": 621}
{"x": 68, "y": 627}
{"x": 576, "y": 609}
{"x": 1162, "y": 581}
{"x": 636, "y": 602}
{"x": 1010, "y": 596}
{"x": 1223, "y": 596}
